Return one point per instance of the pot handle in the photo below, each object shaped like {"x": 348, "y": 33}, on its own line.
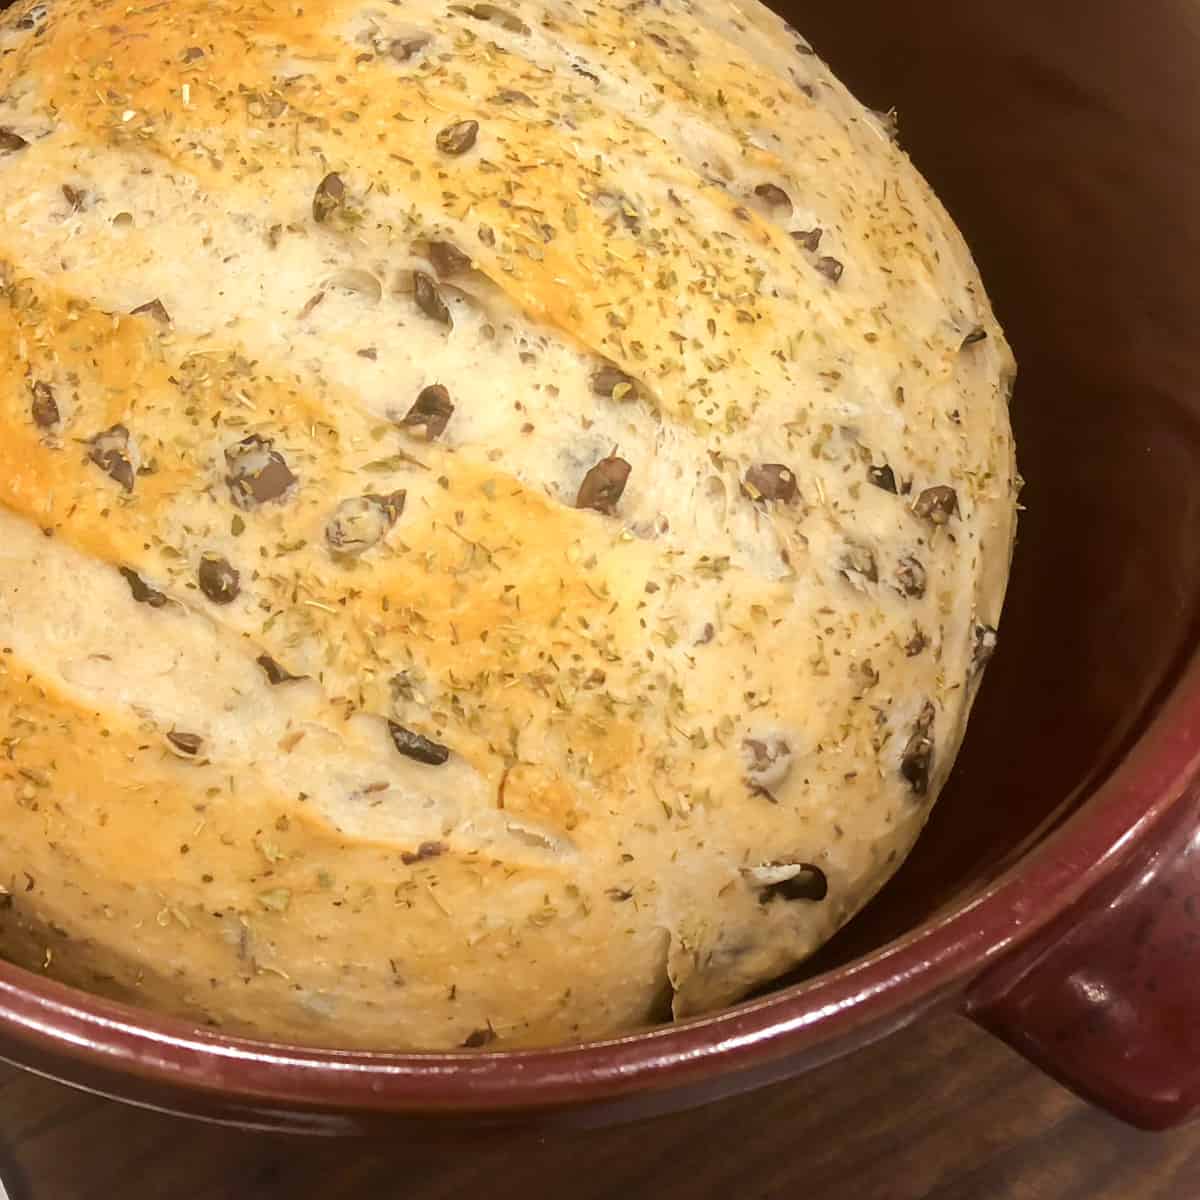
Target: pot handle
{"x": 1106, "y": 999}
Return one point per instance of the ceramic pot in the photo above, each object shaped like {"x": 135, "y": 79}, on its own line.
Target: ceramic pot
{"x": 1055, "y": 896}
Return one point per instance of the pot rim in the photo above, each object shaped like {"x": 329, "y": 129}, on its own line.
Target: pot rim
{"x": 47, "y": 1018}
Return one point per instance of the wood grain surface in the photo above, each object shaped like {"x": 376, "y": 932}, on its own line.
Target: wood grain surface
{"x": 937, "y": 1112}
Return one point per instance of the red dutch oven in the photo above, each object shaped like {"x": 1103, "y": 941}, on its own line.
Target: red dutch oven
{"x": 1055, "y": 897}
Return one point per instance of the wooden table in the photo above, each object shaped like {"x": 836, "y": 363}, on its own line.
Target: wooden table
{"x": 939, "y": 1112}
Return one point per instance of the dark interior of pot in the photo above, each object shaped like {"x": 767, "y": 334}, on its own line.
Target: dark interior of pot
{"x": 1061, "y": 138}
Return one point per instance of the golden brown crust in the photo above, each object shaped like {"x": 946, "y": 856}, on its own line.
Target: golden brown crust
{"x": 525, "y": 512}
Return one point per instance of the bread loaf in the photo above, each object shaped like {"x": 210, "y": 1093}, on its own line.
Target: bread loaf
{"x": 503, "y": 510}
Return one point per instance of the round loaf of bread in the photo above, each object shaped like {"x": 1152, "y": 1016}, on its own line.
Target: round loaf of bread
{"x": 503, "y": 509}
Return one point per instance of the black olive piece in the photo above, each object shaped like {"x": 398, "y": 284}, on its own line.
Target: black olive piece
{"x": 608, "y": 378}
{"x": 110, "y": 451}
{"x": 33, "y": 18}
{"x": 44, "y": 407}
{"x": 425, "y": 851}
{"x": 219, "y": 580}
{"x": 916, "y": 644}
{"x": 910, "y": 576}
{"x": 917, "y": 760}
{"x": 771, "y": 481}
{"x": 493, "y": 13}
{"x": 883, "y": 478}
{"x": 774, "y": 195}
{"x": 604, "y": 485}
{"x": 984, "y": 647}
{"x": 937, "y": 504}
{"x": 809, "y": 239}
{"x": 155, "y": 309}
{"x": 431, "y": 411}
{"x": 831, "y": 268}
{"x": 257, "y": 472}
{"x": 977, "y": 335}
{"x": 810, "y": 883}
{"x": 141, "y": 591}
{"x": 276, "y": 674}
{"x": 512, "y": 96}
{"x": 429, "y": 299}
{"x": 480, "y": 1038}
{"x": 189, "y": 744}
{"x": 448, "y": 259}
{"x": 403, "y": 49}
{"x": 417, "y": 747}
{"x": 329, "y": 196}
{"x": 458, "y": 138}
{"x": 11, "y": 142}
